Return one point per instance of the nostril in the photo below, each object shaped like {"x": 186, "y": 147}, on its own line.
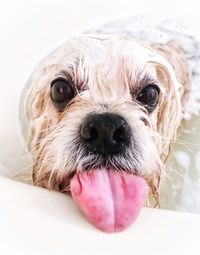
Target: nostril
{"x": 88, "y": 132}
{"x": 93, "y": 134}
{"x": 120, "y": 135}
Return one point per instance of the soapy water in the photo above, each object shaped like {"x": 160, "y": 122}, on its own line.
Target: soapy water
{"x": 180, "y": 187}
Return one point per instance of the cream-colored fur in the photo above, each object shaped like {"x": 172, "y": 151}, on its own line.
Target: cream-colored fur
{"x": 107, "y": 71}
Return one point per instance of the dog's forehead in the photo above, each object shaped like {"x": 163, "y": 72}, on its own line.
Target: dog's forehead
{"x": 96, "y": 62}
{"x": 99, "y": 49}
{"x": 105, "y": 59}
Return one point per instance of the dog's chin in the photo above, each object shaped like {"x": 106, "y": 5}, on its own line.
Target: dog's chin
{"x": 110, "y": 199}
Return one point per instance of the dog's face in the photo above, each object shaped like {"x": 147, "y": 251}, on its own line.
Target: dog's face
{"x": 101, "y": 101}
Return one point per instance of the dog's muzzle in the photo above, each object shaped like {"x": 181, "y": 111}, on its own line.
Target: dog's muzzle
{"x": 105, "y": 133}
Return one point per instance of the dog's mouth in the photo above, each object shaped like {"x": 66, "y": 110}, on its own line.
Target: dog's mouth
{"x": 110, "y": 199}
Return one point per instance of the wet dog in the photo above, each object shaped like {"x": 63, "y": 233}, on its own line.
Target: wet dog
{"x": 109, "y": 102}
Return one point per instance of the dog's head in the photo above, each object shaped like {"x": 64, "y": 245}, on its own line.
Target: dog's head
{"x": 102, "y": 101}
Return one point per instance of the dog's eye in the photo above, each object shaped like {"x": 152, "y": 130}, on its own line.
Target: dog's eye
{"x": 62, "y": 90}
{"x": 149, "y": 97}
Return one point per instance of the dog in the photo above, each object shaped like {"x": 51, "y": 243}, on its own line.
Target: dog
{"x": 112, "y": 98}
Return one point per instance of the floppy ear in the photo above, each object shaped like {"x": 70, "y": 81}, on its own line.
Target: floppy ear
{"x": 41, "y": 119}
{"x": 174, "y": 77}
{"x": 39, "y": 109}
{"x": 175, "y": 54}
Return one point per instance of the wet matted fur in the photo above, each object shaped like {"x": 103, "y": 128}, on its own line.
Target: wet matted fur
{"x": 108, "y": 71}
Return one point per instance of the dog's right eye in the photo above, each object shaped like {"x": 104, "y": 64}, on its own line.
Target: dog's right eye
{"x": 62, "y": 91}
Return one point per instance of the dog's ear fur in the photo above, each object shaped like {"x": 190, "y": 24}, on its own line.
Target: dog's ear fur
{"x": 39, "y": 108}
{"x": 175, "y": 79}
{"x": 174, "y": 53}
{"x": 41, "y": 118}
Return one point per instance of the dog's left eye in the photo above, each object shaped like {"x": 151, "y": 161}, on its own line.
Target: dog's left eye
{"x": 62, "y": 90}
{"x": 149, "y": 97}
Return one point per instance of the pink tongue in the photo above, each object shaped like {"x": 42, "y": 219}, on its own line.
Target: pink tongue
{"x": 111, "y": 200}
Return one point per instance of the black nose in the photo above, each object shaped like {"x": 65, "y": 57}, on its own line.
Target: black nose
{"x": 105, "y": 133}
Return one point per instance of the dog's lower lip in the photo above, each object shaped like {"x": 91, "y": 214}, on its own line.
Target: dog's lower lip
{"x": 111, "y": 200}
